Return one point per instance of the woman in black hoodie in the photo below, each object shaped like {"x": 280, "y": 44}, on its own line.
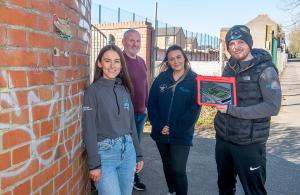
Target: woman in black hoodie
{"x": 173, "y": 111}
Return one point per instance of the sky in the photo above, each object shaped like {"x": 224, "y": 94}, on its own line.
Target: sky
{"x": 202, "y": 16}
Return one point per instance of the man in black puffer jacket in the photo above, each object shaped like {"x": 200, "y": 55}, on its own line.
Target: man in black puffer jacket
{"x": 242, "y": 130}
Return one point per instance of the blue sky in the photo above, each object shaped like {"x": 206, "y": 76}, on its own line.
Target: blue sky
{"x": 203, "y": 16}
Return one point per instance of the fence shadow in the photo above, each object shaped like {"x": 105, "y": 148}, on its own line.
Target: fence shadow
{"x": 284, "y": 141}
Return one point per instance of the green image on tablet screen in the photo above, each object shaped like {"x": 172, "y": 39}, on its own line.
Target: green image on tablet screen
{"x": 216, "y": 92}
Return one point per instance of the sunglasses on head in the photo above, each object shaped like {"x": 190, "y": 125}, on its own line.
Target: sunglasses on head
{"x": 235, "y": 34}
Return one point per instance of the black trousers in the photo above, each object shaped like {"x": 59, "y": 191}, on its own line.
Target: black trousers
{"x": 246, "y": 161}
{"x": 174, "y": 158}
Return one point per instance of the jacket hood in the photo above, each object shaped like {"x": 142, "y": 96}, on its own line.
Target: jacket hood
{"x": 260, "y": 56}
{"x": 106, "y": 82}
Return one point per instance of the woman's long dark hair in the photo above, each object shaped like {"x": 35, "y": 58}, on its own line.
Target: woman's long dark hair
{"x": 164, "y": 65}
{"x": 123, "y": 75}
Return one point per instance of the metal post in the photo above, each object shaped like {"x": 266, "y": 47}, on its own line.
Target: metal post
{"x": 119, "y": 14}
{"x": 133, "y": 17}
{"x": 185, "y": 40}
{"x": 180, "y": 38}
{"x": 154, "y": 40}
{"x": 211, "y": 45}
{"x": 205, "y": 58}
{"x": 221, "y": 60}
{"x": 174, "y": 33}
{"x": 215, "y": 48}
{"x": 201, "y": 47}
{"x": 192, "y": 47}
{"x": 99, "y": 14}
{"x": 196, "y": 46}
{"x": 166, "y": 37}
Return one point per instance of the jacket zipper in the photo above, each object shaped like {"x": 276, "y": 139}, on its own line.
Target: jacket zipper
{"x": 170, "y": 108}
{"x": 251, "y": 133}
{"x": 171, "y": 104}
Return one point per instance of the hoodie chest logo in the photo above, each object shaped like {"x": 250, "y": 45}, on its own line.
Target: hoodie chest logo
{"x": 163, "y": 87}
{"x": 126, "y": 104}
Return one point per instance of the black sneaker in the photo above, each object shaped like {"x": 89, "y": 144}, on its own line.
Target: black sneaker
{"x": 138, "y": 185}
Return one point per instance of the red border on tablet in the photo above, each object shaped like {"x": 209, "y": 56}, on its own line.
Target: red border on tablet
{"x": 230, "y": 80}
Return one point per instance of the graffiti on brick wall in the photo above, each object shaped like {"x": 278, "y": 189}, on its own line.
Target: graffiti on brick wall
{"x": 62, "y": 143}
{"x": 66, "y": 117}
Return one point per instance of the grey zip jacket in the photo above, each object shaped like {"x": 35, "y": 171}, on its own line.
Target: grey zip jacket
{"x": 107, "y": 113}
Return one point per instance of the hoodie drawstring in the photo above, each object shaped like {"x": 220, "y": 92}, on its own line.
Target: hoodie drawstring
{"x": 116, "y": 97}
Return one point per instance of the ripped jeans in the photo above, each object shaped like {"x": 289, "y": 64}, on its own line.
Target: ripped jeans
{"x": 118, "y": 160}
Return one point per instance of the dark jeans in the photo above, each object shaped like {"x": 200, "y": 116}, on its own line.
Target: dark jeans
{"x": 246, "y": 161}
{"x": 174, "y": 158}
{"x": 140, "y": 120}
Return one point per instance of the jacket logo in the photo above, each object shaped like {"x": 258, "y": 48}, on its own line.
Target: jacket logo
{"x": 184, "y": 90}
{"x": 163, "y": 87}
{"x": 246, "y": 78}
{"x": 126, "y": 104}
{"x": 254, "y": 168}
{"x": 273, "y": 85}
{"x": 86, "y": 108}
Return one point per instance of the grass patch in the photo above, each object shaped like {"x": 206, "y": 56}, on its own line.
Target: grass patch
{"x": 206, "y": 119}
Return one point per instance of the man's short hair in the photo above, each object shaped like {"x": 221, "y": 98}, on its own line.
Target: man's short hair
{"x": 126, "y": 34}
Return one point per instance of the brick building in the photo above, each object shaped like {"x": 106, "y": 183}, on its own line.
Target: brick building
{"x": 170, "y": 36}
{"x": 40, "y": 96}
{"x": 262, "y": 29}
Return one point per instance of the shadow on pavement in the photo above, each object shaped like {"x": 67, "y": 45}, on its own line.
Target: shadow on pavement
{"x": 284, "y": 142}
{"x": 282, "y": 175}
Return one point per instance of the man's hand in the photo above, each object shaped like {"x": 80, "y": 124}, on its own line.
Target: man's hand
{"x": 95, "y": 174}
{"x": 222, "y": 108}
{"x": 139, "y": 166}
{"x": 165, "y": 130}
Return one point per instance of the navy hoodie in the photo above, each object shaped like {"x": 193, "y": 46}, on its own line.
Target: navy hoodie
{"x": 177, "y": 108}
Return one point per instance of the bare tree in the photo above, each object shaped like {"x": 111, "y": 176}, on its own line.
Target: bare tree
{"x": 294, "y": 43}
{"x": 293, "y": 7}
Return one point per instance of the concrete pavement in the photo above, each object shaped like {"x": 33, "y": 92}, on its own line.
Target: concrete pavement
{"x": 283, "y": 151}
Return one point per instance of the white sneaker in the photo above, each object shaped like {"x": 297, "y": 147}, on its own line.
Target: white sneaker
{"x": 174, "y": 193}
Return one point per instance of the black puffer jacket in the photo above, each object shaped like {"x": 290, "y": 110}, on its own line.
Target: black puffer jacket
{"x": 238, "y": 130}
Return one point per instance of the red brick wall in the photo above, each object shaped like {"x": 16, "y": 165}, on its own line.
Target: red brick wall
{"x": 40, "y": 97}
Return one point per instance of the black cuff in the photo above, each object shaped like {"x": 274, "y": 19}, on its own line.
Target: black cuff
{"x": 95, "y": 168}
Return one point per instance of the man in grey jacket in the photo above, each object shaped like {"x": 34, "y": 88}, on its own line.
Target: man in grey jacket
{"x": 242, "y": 131}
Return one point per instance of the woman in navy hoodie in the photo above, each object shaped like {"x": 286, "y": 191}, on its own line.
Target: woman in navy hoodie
{"x": 173, "y": 112}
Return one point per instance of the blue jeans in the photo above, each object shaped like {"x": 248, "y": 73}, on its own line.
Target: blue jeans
{"x": 118, "y": 160}
{"x": 140, "y": 120}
